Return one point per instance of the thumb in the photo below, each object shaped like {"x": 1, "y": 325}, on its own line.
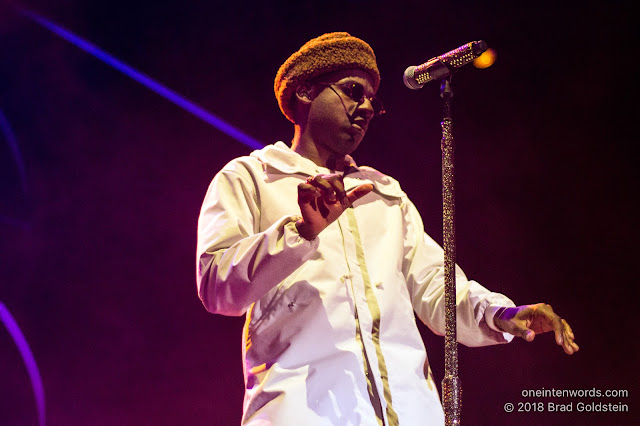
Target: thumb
{"x": 526, "y": 333}
{"x": 359, "y": 192}
{"x": 518, "y": 328}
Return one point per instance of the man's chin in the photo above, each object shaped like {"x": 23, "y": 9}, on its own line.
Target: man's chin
{"x": 352, "y": 143}
{"x": 347, "y": 149}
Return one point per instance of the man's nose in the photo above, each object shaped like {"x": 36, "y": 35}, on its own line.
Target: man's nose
{"x": 366, "y": 105}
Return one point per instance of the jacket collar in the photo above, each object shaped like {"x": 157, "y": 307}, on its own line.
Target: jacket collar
{"x": 280, "y": 158}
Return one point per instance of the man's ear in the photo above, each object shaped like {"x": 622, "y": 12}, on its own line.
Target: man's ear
{"x": 304, "y": 93}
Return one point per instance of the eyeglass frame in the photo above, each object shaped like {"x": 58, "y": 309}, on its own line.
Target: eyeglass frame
{"x": 373, "y": 100}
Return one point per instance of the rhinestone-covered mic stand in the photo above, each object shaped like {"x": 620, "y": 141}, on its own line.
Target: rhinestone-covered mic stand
{"x": 451, "y": 383}
{"x": 415, "y": 77}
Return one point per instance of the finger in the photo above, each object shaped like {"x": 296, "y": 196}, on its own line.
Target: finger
{"x": 338, "y": 188}
{"x": 556, "y": 321}
{"x": 307, "y": 192}
{"x": 566, "y": 342}
{"x": 570, "y": 345}
{"x": 568, "y": 329}
{"x": 323, "y": 184}
{"x": 575, "y": 347}
{"x": 359, "y": 192}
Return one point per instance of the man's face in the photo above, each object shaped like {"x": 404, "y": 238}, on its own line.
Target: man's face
{"x": 336, "y": 122}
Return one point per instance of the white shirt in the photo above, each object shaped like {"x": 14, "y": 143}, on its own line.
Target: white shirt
{"x": 330, "y": 333}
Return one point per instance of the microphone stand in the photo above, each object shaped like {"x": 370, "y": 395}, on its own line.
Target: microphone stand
{"x": 451, "y": 389}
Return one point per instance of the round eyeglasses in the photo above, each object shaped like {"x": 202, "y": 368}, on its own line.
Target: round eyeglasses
{"x": 356, "y": 92}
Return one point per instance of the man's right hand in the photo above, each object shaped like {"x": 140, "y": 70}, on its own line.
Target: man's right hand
{"x": 322, "y": 199}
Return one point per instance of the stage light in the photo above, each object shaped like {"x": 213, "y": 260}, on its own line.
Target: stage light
{"x": 27, "y": 356}
{"x": 486, "y": 59}
{"x": 13, "y": 145}
{"x": 145, "y": 80}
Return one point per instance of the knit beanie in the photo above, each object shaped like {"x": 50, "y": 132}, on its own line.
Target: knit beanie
{"x": 328, "y": 53}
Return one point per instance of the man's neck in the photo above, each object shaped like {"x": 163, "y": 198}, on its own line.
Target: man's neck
{"x": 305, "y": 146}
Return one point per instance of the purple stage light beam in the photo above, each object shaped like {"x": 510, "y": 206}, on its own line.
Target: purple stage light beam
{"x": 145, "y": 80}
{"x": 15, "y": 151}
{"x": 27, "y": 357}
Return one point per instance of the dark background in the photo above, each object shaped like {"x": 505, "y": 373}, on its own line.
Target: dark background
{"x": 97, "y": 246}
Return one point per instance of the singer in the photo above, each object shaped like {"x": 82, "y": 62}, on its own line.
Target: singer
{"x": 329, "y": 261}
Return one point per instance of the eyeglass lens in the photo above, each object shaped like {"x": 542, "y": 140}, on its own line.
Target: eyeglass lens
{"x": 356, "y": 92}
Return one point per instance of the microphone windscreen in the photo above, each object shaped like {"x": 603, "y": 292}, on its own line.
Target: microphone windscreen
{"x": 409, "y": 80}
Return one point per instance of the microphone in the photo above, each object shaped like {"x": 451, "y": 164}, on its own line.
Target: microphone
{"x": 442, "y": 66}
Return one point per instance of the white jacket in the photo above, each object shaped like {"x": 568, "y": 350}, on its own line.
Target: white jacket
{"x": 330, "y": 334}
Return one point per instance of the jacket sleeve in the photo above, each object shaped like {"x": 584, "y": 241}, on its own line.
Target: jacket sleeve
{"x": 424, "y": 271}
{"x": 237, "y": 263}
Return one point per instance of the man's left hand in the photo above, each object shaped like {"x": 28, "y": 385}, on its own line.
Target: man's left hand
{"x": 528, "y": 320}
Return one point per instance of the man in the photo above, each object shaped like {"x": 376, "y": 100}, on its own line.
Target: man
{"x": 329, "y": 261}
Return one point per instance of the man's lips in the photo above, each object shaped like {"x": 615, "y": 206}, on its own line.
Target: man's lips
{"x": 360, "y": 124}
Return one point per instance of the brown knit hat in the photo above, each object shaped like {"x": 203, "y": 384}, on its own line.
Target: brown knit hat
{"x": 327, "y": 53}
